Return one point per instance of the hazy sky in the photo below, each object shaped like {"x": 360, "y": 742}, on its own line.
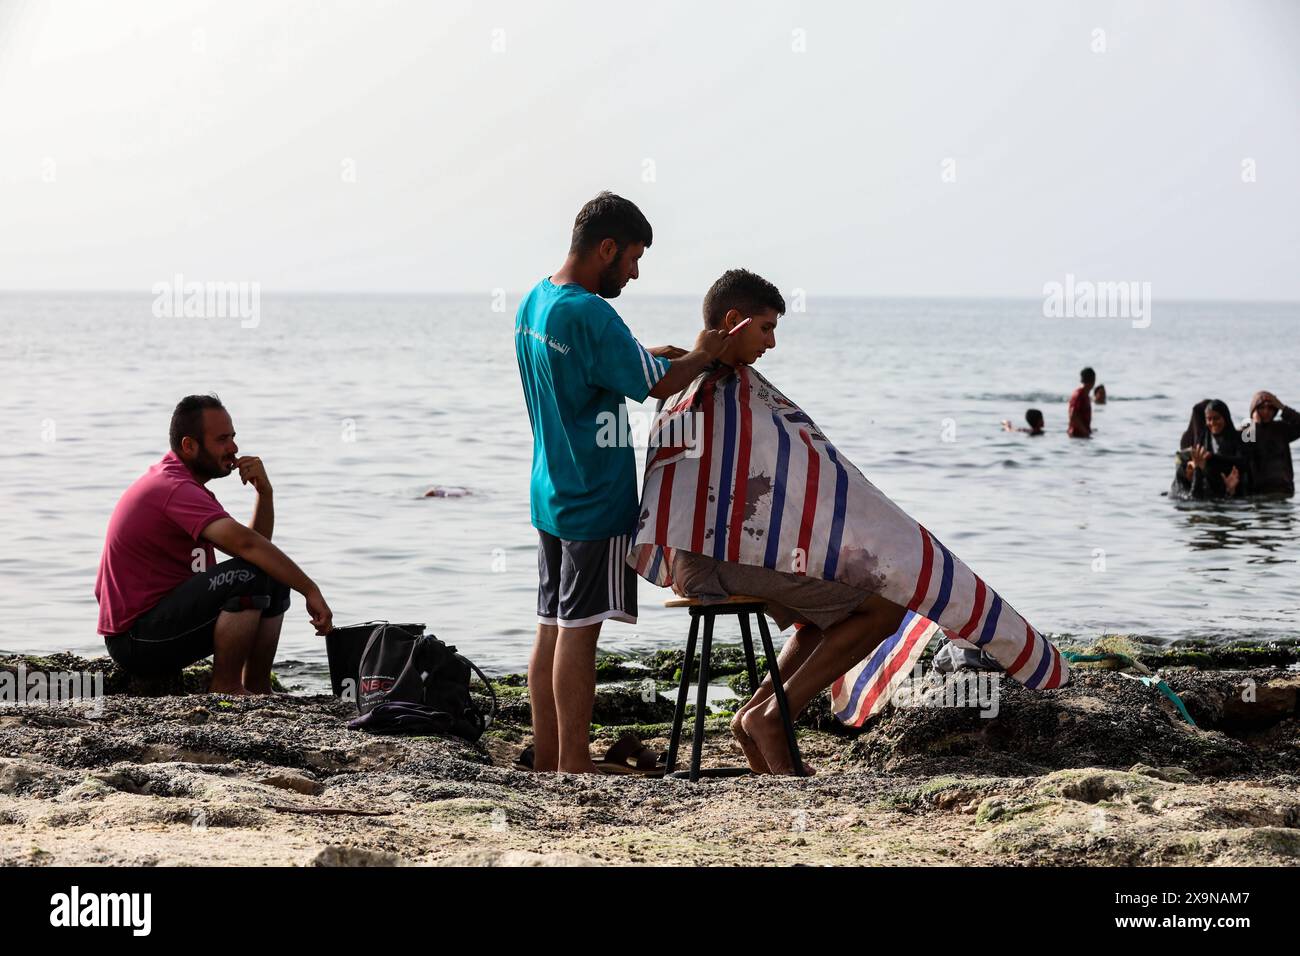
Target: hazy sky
{"x": 447, "y": 146}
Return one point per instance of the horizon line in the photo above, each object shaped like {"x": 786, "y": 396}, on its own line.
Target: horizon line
{"x": 418, "y": 293}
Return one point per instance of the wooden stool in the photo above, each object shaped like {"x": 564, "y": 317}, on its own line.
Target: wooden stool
{"x": 742, "y": 606}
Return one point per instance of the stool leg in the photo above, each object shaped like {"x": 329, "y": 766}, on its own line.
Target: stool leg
{"x": 778, "y": 691}
{"x": 679, "y": 714}
{"x": 750, "y": 666}
{"x": 698, "y": 746}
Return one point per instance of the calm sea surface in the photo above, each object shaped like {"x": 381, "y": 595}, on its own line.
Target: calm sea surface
{"x": 358, "y": 405}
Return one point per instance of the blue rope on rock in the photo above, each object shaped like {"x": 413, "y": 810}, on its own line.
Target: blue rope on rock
{"x": 1151, "y": 680}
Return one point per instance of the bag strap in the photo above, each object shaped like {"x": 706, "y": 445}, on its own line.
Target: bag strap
{"x": 486, "y": 683}
{"x": 374, "y": 635}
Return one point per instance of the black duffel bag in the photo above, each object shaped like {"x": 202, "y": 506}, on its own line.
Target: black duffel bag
{"x": 410, "y": 682}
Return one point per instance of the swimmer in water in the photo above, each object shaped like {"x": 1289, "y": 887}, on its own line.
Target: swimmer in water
{"x": 1033, "y": 417}
{"x": 438, "y": 491}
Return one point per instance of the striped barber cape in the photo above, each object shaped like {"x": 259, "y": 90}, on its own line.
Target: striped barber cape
{"x": 737, "y": 471}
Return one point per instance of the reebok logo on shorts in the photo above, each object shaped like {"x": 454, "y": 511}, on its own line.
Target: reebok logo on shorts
{"x": 242, "y": 575}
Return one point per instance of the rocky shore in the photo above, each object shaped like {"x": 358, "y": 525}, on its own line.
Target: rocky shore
{"x": 1104, "y": 771}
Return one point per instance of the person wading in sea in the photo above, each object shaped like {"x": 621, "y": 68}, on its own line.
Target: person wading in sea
{"x": 1267, "y": 438}
{"x": 1080, "y": 409}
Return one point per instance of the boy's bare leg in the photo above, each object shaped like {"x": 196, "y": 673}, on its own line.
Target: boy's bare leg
{"x": 232, "y": 642}
{"x": 257, "y": 669}
{"x": 789, "y": 660}
{"x": 541, "y": 697}
{"x": 841, "y": 647}
{"x": 574, "y": 685}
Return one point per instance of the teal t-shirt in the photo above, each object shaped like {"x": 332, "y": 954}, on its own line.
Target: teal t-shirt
{"x": 577, "y": 360}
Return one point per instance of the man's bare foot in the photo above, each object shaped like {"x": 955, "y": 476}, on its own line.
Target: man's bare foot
{"x": 752, "y": 753}
{"x": 234, "y": 690}
{"x": 765, "y": 730}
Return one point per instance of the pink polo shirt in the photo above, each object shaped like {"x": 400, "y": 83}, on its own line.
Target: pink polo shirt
{"x": 151, "y": 542}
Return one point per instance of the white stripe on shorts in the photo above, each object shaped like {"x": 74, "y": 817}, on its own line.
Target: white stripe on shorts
{"x": 620, "y": 579}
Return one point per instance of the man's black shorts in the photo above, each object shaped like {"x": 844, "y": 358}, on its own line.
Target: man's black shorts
{"x": 584, "y": 582}
{"x": 177, "y": 631}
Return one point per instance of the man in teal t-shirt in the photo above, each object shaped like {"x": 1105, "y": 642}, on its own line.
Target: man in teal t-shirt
{"x": 577, "y": 362}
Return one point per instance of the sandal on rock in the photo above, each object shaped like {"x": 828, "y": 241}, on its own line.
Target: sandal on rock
{"x": 644, "y": 761}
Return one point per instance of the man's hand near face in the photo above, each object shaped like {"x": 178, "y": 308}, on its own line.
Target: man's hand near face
{"x": 711, "y": 342}
{"x": 253, "y": 472}
{"x": 708, "y": 346}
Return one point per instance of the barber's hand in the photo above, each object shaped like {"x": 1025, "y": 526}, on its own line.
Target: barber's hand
{"x": 670, "y": 352}
{"x": 322, "y": 618}
{"x": 711, "y": 342}
{"x": 252, "y": 471}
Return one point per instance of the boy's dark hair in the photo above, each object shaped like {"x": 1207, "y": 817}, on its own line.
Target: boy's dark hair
{"x": 187, "y": 419}
{"x": 1088, "y": 376}
{"x": 742, "y": 290}
{"x": 609, "y": 217}
{"x": 1034, "y": 417}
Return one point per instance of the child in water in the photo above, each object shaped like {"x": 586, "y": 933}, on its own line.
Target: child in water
{"x": 1035, "y": 420}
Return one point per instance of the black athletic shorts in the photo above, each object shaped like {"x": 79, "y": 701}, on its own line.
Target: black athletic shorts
{"x": 582, "y": 582}
{"x": 177, "y": 631}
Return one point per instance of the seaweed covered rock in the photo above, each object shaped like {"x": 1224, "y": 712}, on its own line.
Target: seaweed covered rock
{"x": 627, "y": 702}
{"x": 724, "y": 660}
{"x": 192, "y": 680}
{"x": 1196, "y": 653}
{"x": 1100, "y": 719}
{"x": 1237, "y": 701}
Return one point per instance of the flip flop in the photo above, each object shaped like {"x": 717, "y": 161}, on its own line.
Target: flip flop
{"x": 525, "y": 759}
{"x": 645, "y": 762}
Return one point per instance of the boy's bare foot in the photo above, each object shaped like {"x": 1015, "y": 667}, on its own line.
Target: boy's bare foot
{"x": 765, "y": 730}
{"x": 752, "y": 754}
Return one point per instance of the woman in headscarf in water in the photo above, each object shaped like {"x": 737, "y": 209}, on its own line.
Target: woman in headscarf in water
{"x": 1212, "y": 461}
{"x": 1268, "y": 437}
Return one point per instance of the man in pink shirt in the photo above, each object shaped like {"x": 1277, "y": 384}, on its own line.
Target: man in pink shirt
{"x": 1081, "y": 406}
{"x": 164, "y": 600}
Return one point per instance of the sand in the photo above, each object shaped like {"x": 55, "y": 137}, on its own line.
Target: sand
{"x": 1101, "y": 772}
